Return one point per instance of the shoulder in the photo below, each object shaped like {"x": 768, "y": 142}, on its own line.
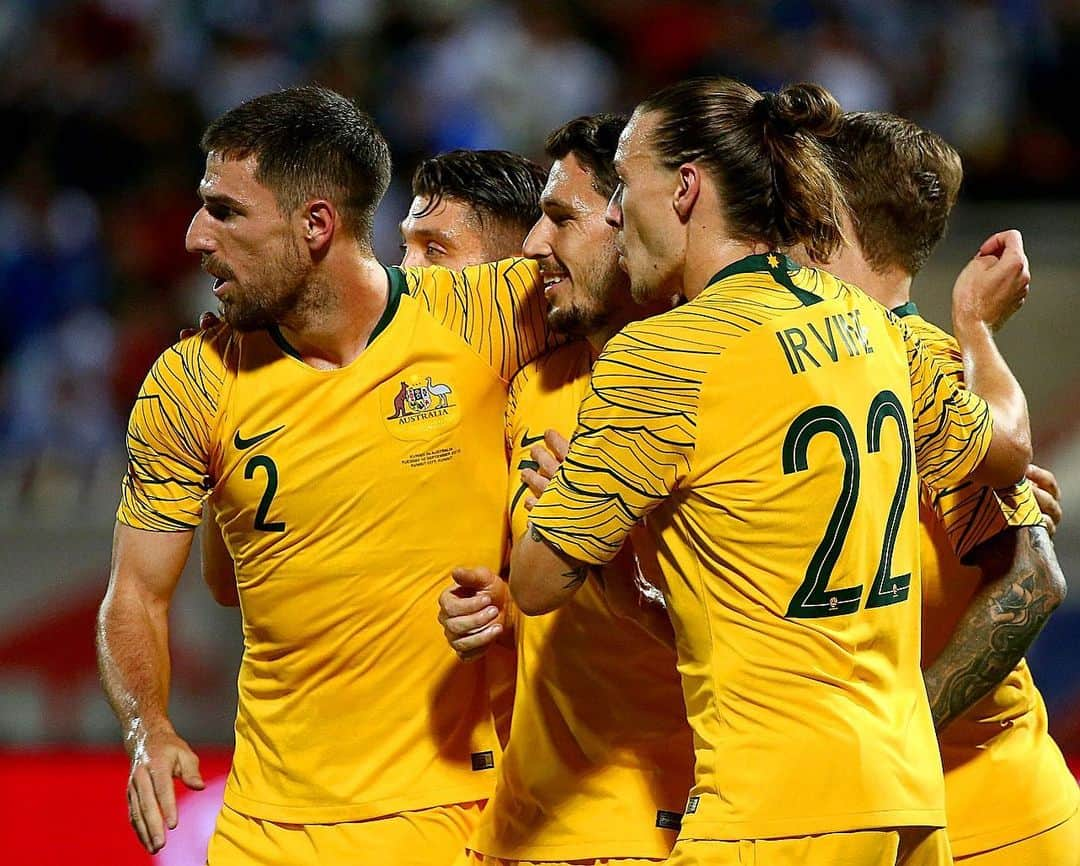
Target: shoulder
{"x": 208, "y": 354}
{"x": 506, "y": 273}
{"x": 553, "y": 369}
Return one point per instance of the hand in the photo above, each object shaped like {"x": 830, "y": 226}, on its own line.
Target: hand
{"x": 473, "y": 611}
{"x": 1048, "y": 495}
{"x": 206, "y": 322}
{"x": 993, "y": 285}
{"x": 156, "y": 759}
{"x": 549, "y": 457}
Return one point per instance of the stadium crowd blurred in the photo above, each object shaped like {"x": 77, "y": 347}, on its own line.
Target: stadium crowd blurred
{"x": 103, "y": 102}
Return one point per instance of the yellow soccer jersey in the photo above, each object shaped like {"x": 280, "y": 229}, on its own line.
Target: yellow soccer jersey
{"x": 345, "y": 497}
{"x": 599, "y": 758}
{"x": 766, "y": 429}
{"x": 1001, "y": 743}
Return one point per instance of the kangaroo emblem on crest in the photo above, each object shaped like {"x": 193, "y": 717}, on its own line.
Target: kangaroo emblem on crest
{"x": 399, "y": 403}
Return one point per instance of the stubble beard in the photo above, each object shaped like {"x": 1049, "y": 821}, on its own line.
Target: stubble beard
{"x": 279, "y": 292}
{"x": 582, "y": 320}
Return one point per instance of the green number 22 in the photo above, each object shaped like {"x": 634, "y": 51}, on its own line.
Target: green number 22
{"x": 813, "y": 598}
{"x": 270, "y": 468}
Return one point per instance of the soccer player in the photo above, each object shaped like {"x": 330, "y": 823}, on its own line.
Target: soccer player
{"x": 469, "y": 207}
{"x": 599, "y": 758}
{"x": 327, "y": 422}
{"x": 769, "y": 428}
{"x": 901, "y": 183}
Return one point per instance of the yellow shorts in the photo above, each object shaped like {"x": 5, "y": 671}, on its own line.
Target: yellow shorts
{"x": 1059, "y": 846}
{"x": 471, "y": 858}
{"x": 904, "y": 847}
{"x": 428, "y": 837}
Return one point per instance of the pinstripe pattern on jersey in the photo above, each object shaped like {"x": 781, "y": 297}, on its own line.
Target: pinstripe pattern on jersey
{"x": 637, "y": 425}
{"x": 498, "y": 308}
{"x": 969, "y": 513}
{"x": 164, "y": 488}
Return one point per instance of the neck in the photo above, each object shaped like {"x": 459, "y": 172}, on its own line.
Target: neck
{"x": 710, "y": 255}
{"x": 352, "y": 293}
{"x": 625, "y": 312}
{"x": 891, "y": 288}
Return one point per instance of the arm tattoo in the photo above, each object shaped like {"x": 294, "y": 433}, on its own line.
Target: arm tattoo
{"x": 1023, "y": 587}
{"x": 577, "y": 575}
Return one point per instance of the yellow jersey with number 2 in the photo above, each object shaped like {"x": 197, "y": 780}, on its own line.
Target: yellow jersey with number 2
{"x": 345, "y": 497}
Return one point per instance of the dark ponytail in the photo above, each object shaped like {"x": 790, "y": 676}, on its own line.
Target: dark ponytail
{"x": 765, "y": 152}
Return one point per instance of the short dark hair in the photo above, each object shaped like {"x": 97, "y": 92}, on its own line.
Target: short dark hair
{"x": 307, "y": 142}
{"x": 497, "y": 184}
{"x": 764, "y": 151}
{"x": 901, "y": 182}
{"x": 593, "y": 139}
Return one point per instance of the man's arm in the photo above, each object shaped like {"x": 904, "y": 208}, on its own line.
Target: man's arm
{"x": 992, "y": 287}
{"x": 1023, "y": 585}
{"x": 218, "y": 571}
{"x": 133, "y": 657}
{"x": 543, "y": 578}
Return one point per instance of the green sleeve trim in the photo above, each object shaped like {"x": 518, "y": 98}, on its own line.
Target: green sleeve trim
{"x": 777, "y": 266}
{"x": 908, "y": 309}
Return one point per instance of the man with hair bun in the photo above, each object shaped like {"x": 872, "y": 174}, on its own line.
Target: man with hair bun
{"x": 990, "y": 576}
{"x": 768, "y": 431}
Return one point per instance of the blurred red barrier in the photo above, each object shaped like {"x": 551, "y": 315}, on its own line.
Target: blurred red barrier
{"x": 61, "y": 807}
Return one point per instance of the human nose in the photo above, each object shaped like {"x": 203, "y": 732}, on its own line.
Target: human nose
{"x": 613, "y": 216}
{"x": 199, "y": 239}
{"x": 537, "y": 243}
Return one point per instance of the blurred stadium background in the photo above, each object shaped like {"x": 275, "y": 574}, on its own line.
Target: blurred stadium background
{"x": 101, "y": 105}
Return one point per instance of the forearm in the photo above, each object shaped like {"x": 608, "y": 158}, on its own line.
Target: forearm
{"x": 987, "y": 375}
{"x": 1000, "y": 623}
{"x": 133, "y": 658}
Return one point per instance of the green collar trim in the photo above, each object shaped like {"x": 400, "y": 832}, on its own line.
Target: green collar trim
{"x": 908, "y": 309}
{"x": 398, "y": 287}
{"x": 283, "y": 344}
{"x": 777, "y": 266}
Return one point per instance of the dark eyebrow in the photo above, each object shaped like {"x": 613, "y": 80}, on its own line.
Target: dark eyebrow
{"x": 220, "y": 199}
{"x": 555, "y": 203}
{"x": 424, "y": 233}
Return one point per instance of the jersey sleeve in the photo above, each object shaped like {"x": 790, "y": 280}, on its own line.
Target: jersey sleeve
{"x": 169, "y": 436}
{"x": 498, "y": 308}
{"x": 633, "y": 444}
{"x": 972, "y": 515}
{"x": 953, "y": 426}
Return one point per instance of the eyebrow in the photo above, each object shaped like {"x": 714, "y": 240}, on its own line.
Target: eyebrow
{"x": 424, "y": 232}
{"x": 555, "y": 203}
{"x": 220, "y": 198}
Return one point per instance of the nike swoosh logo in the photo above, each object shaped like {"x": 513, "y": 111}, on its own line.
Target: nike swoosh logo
{"x": 526, "y": 440}
{"x": 242, "y": 444}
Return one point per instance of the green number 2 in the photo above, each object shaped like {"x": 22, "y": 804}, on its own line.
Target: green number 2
{"x": 270, "y": 467}
{"x": 813, "y": 598}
